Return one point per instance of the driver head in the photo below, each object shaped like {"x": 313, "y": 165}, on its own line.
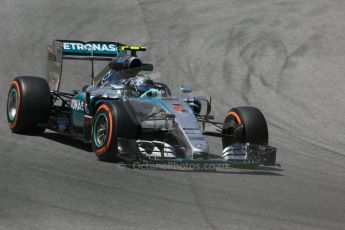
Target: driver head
{"x": 140, "y": 85}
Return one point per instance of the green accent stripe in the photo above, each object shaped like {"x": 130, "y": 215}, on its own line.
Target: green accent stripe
{"x": 156, "y": 102}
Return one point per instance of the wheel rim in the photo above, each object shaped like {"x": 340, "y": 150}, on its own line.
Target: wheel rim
{"x": 228, "y": 128}
{"x": 12, "y": 105}
{"x": 100, "y": 132}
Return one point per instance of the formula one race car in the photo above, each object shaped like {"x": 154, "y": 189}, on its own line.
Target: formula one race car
{"x": 128, "y": 116}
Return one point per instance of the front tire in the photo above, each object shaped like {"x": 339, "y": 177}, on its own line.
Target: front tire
{"x": 111, "y": 121}
{"x": 28, "y": 104}
{"x": 245, "y": 125}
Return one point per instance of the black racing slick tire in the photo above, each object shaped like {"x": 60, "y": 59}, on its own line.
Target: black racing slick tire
{"x": 111, "y": 121}
{"x": 28, "y": 104}
{"x": 244, "y": 125}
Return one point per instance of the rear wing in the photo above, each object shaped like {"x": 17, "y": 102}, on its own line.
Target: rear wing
{"x": 79, "y": 50}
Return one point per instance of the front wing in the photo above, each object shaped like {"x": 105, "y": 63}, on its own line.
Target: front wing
{"x": 234, "y": 156}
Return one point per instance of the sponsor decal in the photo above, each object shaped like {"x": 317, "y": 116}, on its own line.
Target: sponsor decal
{"x": 91, "y": 48}
{"x": 178, "y": 107}
{"x": 77, "y": 105}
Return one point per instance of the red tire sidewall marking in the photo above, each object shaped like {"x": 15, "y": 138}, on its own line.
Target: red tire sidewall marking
{"x": 232, "y": 113}
{"x": 14, "y": 122}
{"x": 102, "y": 150}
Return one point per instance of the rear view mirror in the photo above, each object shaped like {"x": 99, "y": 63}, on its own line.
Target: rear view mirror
{"x": 146, "y": 67}
{"x": 185, "y": 89}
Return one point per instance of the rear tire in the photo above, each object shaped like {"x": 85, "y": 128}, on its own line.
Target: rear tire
{"x": 247, "y": 125}
{"x": 111, "y": 122}
{"x": 28, "y": 104}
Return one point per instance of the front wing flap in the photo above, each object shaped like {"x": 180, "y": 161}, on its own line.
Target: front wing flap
{"x": 235, "y": 156}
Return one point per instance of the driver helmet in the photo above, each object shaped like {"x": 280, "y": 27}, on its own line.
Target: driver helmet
{"x": 142, "y": 84}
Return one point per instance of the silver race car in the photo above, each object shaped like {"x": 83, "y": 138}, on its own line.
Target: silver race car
{"x": 129, "y": 117}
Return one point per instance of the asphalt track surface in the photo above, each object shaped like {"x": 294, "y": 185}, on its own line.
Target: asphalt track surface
{"x": 285, "y": 57}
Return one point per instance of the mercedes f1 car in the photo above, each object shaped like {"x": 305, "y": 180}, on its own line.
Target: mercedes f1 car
{"x": 128, "y": 116}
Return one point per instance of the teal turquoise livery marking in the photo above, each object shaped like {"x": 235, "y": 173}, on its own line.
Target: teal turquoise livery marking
{"x": 156, "y": 102}
{"x": 90, "y": 48}
{"x": 77, "y": 110}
